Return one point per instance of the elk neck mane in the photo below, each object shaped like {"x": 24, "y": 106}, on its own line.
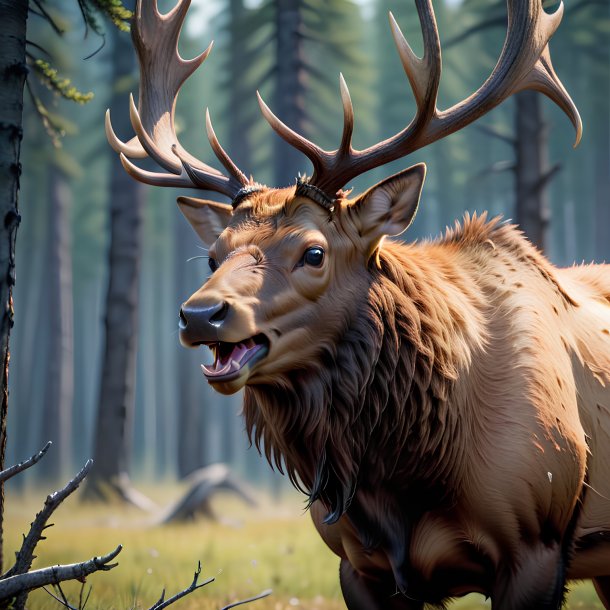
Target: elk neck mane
{"x": 383, "y": 392}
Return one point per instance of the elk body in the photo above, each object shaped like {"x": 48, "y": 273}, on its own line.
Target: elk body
{"x": 446, "y": 405}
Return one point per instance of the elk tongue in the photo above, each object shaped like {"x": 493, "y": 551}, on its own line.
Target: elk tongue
{"x": 232, "y": 363}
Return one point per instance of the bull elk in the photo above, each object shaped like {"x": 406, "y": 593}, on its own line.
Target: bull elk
{"x": 445, "y": 406}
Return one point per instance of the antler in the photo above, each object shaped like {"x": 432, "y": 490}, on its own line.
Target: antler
{"x": 524, "y": 63}
{"x": 162, "y": 73}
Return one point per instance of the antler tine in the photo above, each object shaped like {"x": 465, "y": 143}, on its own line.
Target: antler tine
{"x": 424, "y": 73}
{"x": 524, "y": 63}
{"x": 220, "y": 153}
{"x": 348, "y": 119}
{"x": 133, "y": 148}
{"x": 313, "y": 152}
{"x": 154, "y": 178}
{"x": 162, "y": 72}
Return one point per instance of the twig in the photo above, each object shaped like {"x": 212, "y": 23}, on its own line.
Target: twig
{"x": 265, "y": 593}
{"x": 496, "y": 133}
{"x": 63, "y": 602}
{"x": 82, "y": 603}
{"x": 25, "y": 555}
{"x": 159, "y": 605}
{"x": 490, "y": 22}
{"x": 45, "y": 15}
{"x": 495, "y": 168}
{"x": 20, "y": 583}
{"x": 5, "y": 475}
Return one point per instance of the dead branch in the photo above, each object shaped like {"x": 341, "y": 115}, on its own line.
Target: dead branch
{"x": 494, "y": 132}
{"x": 547, "y": 177}
{"x": 5, "y": 475}
{"x": 495, "y": 168}
{"x": 204, "y": 484}
{"x": 64, "y": 600}
{"x": 265, "y": 593}
{"x": 25, "y": 555}
{"x": 162, "y": 603}
{"x": 53, "y": 575}
{"x": 192, "y": 587}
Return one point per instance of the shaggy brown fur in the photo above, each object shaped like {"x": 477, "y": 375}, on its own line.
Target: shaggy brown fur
{"x": 443, "y": 385}
{"x": 444, "y": 405}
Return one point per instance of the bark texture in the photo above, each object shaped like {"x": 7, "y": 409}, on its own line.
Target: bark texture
{"x": 191, "y": 405}
{"x": 602, "y": 179}
{"x": 289, "y": 99}
{"x": 13, "y": 70}
{"x": 114, "y": 424}
{"x": 532, "y": 169}
{"x": 59, "y": 386}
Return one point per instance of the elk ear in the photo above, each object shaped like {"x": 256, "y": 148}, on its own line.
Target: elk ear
{"x": 208, "y": 218}
{"x": 388, "y": 208}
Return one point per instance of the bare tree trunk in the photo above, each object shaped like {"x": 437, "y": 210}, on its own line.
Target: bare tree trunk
{"x": 602, "y": 176}
{"x": 109, "y": 478}
{"x": 13, "y": 70}
{"x": 238, "y": 124}
{"x": 59, "y": 383}
{"x": 190, "y": 397}
{"x": 532, "y": 169}
{"x": 289, "y": 99}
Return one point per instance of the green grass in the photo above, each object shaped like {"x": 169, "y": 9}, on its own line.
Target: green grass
{"x": 271, "y": 547}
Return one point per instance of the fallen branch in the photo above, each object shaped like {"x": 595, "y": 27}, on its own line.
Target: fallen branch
{"x": 5, "y": 475}
{"x": 22, "y": 583}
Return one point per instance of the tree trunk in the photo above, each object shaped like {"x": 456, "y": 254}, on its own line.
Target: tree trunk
{"x": 237, "y": 59}
{"x": 289, "y": 102}
{"x": 532, "y": 170}
{"x": 59, "y": 383}
{"x": 109, "y": 478}
{"x": 13, "y": 70}
{"x": 601, "y": 139}
{"x": 192, "y": 407}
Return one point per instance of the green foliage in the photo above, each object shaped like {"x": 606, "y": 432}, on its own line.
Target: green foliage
{"x": 60, "y": 85}
{"x": 48, "y": 75}
{"x": 112, "y": 9}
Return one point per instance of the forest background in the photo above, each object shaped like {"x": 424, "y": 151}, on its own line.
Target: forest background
{"x": 82, "y": 219}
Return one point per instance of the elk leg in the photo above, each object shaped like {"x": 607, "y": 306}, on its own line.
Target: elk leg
{"x": 602, "y": 588}
{"x": 361, "y": 593}
{"x": 536, "y": 582}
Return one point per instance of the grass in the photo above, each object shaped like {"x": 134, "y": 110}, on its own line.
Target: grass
{"x": 272, "y": 547}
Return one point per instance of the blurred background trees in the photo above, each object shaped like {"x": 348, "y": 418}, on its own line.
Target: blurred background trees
{"x": 292, "y": 50}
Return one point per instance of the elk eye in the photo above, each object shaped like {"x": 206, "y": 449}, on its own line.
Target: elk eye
{"x": 314, "y": 256}
{"x": 213, "y": 264}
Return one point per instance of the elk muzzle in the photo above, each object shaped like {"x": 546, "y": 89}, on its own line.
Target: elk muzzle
{"x": 227, "y": 329}
{"x": 200, "y": 322}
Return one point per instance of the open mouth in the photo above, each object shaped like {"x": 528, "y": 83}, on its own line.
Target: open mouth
{"x": 232, "y": 360}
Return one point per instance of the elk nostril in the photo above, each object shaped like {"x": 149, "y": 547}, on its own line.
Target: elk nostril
{"x": 182, "y": 319}
{"x": 220, "y": 314}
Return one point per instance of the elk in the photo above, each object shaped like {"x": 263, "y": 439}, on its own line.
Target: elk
{"x": 444, "y": 405}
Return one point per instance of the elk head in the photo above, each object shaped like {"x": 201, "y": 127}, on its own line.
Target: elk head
{"x": 292, "y": 266}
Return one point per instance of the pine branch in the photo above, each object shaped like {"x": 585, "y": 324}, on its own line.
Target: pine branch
{"x": 53, "y": 575}
{"x": 5, "y": 475}
{"x": 45, "y": 15}
{"x": 59, "y": 85}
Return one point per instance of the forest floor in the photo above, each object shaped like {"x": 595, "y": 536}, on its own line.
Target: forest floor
{"x": 273, "y": 546}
